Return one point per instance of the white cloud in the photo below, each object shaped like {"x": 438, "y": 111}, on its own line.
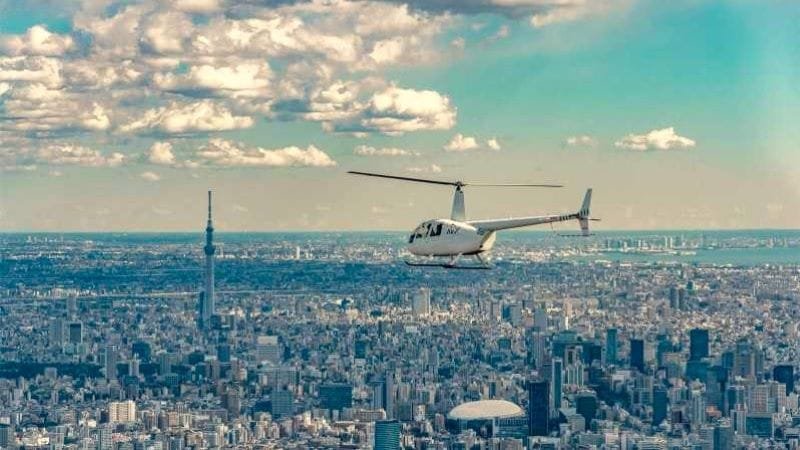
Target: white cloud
{"x": 161, "y": 153}
{"x": 36, "y": 107}
{"x": 150, "y": 176}
{"x": 493, "y": 144}
{"x": 195, "y": 6}
{"x": 433, "y": 168}
{"x": 203, "y": 116}
{"x": 166, "y": 33}
{"x": 219, "y": 152}
{"x": 365, "y": 150}
{"x": 663, "y": 139}
{"x": 235, "y": 79}
{"x": 397, "y": 110}
{"x": 76, "y": 155}
{"x": 461, "y": 143}
{"x": 35, "y": 69}
{"x": 580, "y": 141}
{"x": 36, "y": 41}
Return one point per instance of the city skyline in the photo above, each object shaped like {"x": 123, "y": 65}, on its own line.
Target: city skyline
{"x": 118, "y": 116}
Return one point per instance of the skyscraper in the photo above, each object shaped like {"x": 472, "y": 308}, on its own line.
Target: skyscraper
{"x": 76, "y": 333}
{"x": 557, "y": 379}
{"x": 784, "y": 374}
{"x": 637, "y": 354}
{"x": 335, "y": 396}
{"x": 611, "y": 346}
{"x": 660, "y": 400}
{"x": 538, "y": 402}
{"x": 387, "y": 435}
{"x": 698, "y": 344}
{"x": 586, "y": 405}
{"x": 207, "y": 306}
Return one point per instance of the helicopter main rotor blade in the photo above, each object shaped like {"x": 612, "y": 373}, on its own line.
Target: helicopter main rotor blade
{"x": 395, "y": 177}
{"x": 452, "y": 183}
{"x": 514, "y": 185}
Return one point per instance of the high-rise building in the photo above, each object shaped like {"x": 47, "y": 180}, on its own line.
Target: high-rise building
{"x": 784, "y": 374}
{"x": 6, "y": 435}
{"x": 76, "y": 333}
{"x": 538, "y": 402}
{"x": 282, "y": 403}
{"x": 723, "y": 435}
{"x": 611, "y": 346}
{"x": 56, "y": 333}
{"x": 122, "y": 412}
{"x": 637, "y": 354}
{"x": 586, "y": 405}
{"x": 659, "y": 405}
{"x": 540, "y": 318}
{"x": 335, "y": 396}
{"x": 387, "y": 435}
{"x": 206, "y": 305}
{"x": 421, "y": 303}
{"x": 111, "y": 362}
{"x": 698, "y": 344}
{"x": 104, "y": 441}
{"x": 557, "y": 383}
{"x": 268, "y": 349}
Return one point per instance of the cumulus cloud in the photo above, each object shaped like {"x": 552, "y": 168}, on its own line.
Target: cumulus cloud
{"x": 223, "y": 153}
{"x": 23, "y": 157}
{"x": 154, "y": 67}
{"x": 76, "y": 155}
{"x": 36, "y": 107}
{"x": 238, "y": 79}
{"x": 196, "y": 6}
{"x": 161, "y": 153}
{"x": 580, "y": 141}
{"x": 399, "y": 110}
{"x": 202, "y": 116}
{"x": 433, "y": 168}
{"x": 539, "y": 12}
{"x": 663, "y": 139}
{"x": 37, "y": 69}
{"x": 36, "y": 41}
{"x": 365, "y": 150}
{"x": 150, "y": 176}
{"x": 461, "y": 143}
{"x": 493, "y": 144}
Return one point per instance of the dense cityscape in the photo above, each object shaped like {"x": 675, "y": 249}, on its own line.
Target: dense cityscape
{"x": 327, "y": 340}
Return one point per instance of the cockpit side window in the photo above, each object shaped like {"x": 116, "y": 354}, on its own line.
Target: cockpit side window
{"x": 437, "y": 230}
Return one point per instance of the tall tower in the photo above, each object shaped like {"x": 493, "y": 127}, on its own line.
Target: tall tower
{"x": 207, "y": 298}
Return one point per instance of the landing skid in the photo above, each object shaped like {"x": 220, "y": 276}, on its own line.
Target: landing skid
{"x": 452, "y": 264}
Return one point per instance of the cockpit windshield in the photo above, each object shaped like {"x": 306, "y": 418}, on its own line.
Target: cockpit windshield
{"x": 425, "y": 230}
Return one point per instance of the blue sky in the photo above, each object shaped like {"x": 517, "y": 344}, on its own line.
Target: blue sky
{"x": 118, "y": 115}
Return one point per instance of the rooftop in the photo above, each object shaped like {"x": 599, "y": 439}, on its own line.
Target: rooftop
{"x": 485, "y": 409}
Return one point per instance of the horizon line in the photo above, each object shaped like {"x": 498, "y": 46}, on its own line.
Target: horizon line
{"x": 201, "y": 231}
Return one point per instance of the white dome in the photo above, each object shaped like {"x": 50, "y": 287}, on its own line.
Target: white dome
{"x": 485, "y": 409}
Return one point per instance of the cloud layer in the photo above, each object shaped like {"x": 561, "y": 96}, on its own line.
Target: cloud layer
{"x": 154, "y": 70}
{"x": 663, "y": 139}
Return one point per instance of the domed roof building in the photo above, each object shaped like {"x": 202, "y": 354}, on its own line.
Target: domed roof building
{"x": 488, "y": 418}
{"x": 485, "y": 409}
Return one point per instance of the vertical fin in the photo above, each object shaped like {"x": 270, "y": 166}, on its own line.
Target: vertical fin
{"x": 583, "y": 214}
{"x": 458, "y": 213}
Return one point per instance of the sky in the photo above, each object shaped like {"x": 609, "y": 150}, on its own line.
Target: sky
{"x": 119, "y": 115}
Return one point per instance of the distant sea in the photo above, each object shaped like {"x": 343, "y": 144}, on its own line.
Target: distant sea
{"x": 733, "y": 247}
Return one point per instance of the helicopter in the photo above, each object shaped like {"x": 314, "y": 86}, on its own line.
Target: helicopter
{"x": 457, "y": 237}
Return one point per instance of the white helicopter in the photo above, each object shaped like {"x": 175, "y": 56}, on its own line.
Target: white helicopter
{"x": 456, "y": 237}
